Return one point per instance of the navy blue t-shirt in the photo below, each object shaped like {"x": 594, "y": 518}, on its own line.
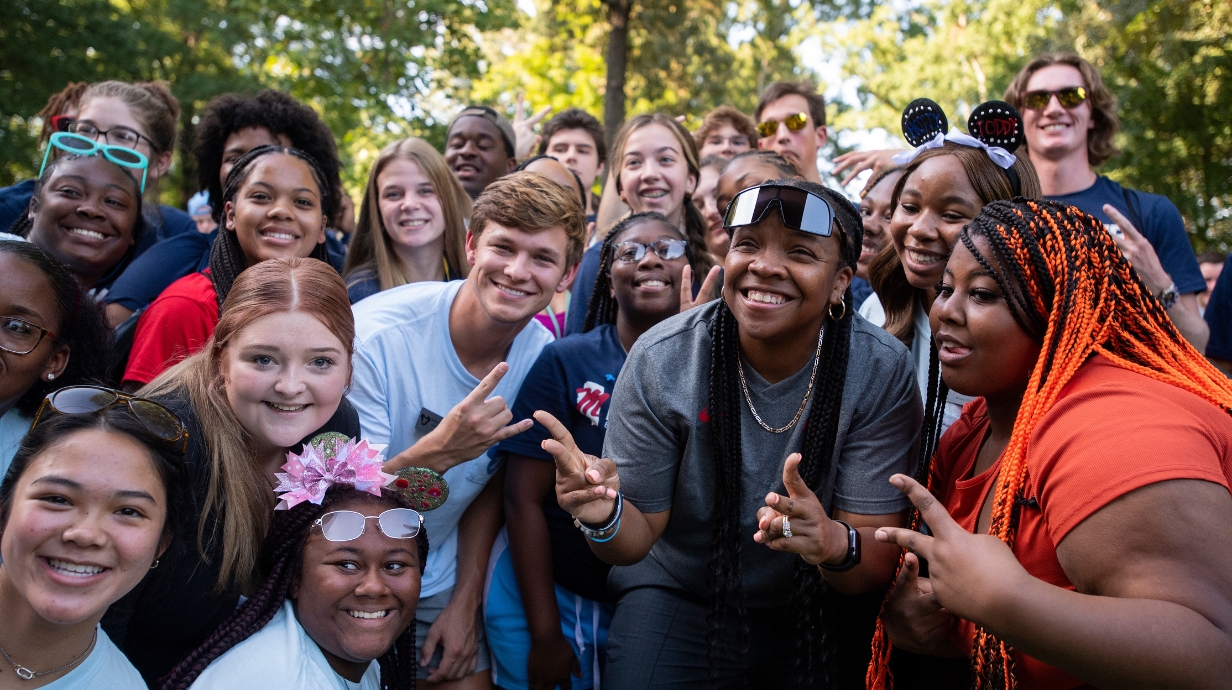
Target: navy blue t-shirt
{"x": 166, "y": 262}
{"x": 1219, "y": 316}
{"x": 1157, "y": 219}
{"x": 860, "y": 290}
{"x": 573, "y": 380}
{"x": 583, "y": 286}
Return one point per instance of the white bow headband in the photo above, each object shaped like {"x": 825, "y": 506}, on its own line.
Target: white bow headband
{"x": 1000, "y": 156}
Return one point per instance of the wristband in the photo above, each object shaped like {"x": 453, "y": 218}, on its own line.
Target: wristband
{"x": 853, "y": 551}
{"x": 609, "y": 528}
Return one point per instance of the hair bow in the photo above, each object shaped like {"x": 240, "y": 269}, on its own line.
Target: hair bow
{"x": 996, "y": 125}
{"x": 326, "y": 460}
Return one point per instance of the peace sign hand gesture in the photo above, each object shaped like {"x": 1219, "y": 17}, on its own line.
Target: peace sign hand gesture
{"x": 970, "y": 575}
{"x": 814, "y": 536}
{"x": 705, "y": 294}
{"x": 586, "y": 486}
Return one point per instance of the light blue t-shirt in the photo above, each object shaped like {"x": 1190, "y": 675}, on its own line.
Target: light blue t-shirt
{"x": 408, "y": 376}
{"x": 105, "y": 669}
{"x": 13, "y": 428}
{"x": 280, "y": 656}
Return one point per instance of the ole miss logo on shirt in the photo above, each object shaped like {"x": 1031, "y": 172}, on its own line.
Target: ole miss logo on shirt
{"x": 590, "y": 399}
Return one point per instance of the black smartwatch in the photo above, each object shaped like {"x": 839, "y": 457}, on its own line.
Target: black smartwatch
{"x": 853, "y": 551}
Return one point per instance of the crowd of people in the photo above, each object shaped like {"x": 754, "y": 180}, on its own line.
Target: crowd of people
{"x": 548, "y": 411}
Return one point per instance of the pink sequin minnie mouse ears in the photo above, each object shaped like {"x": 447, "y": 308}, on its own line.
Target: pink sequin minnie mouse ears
{"x": 328, "y": 459}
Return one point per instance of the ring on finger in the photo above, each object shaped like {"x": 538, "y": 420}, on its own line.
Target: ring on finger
{"x": 786, "y": 528}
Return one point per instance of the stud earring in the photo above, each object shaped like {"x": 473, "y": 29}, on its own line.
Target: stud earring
{"x": 50, "y": 377}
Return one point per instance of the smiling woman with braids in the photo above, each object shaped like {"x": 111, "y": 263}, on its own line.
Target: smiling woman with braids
{"x": 778, "y": 387}
{"x": 1100, "y": 452}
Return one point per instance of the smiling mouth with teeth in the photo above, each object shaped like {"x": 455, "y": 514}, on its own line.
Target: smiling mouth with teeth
{"x": 82, "y": 232}
{"x": 74, "y": 569}
{"x": 925, "y": 258}
{"x": 510, "y": 291}
{"x": 765, "y": 297}
{"x": 367, "y": 614}
{"x": 654, "y": 194}
{"x": 652, "y": 283}
{"x": 286, "y": 408}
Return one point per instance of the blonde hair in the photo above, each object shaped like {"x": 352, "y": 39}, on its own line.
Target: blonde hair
{"x": 239, "y": 497}
{"x": 371, "y": 246}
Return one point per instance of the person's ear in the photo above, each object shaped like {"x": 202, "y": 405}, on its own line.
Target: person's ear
{"x": 567, "y": 279}
{"x": 692, "y": 186}
{"x": 821, "y": 136}
{"x": 841, "y": 280}
{"x": 57, "y": 363}
{"x": 324, "y": 229}
{"x": 296, "y": 581}
{"x": 228, "y": 215}
{"x": 510, "y": 164}
{"x": 160, "y": 165}
{"x": 163, "y": 543}
{"x": 471, "y": 245}
{"x": 599, "y": 170}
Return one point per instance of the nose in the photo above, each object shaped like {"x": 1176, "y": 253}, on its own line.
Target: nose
{"x": 1054, "y": 105}
{"x": 924, "y": 227}
{"x": 290, "y": 382}
{"x": 767, "y": 264}
{"x": 90, "y": 208}
{"x": 948, "y": 310}
{"x": 371, "y": 585}
{"x": 86, "y": 531}
{"x": 650, "y": 260}
{"x": 518, "y": 267}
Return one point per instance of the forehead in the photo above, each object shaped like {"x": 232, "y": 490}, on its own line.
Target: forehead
{"x": 1055, "y": 77}
{"x": 277, "y": 169}
{"x": 942, "y": 176}
{"x": 401, "y": 170}
{"x": 748, "y": 172}
{"x": 551, "y": 239}
{"x": 884, "y": 189}
{"x": 249, "y": 138}
{"x": 98, "y": 460}
{"x": 648, "y": 230}
{"x": 24, "y": 290}
{"x": 107, "y": 112}
{"x": 771, "y": 231}
{"x": 474, "y": 127}
{"x": 554, "y": 171}
{"x": 95, "y": 171}
{"x": 724, "y": 129}
{"x": 288, "y": 331}
{"x": 779, "y": 108}
{"x": 575, "y": 136}
{"x": 650, "y": 138}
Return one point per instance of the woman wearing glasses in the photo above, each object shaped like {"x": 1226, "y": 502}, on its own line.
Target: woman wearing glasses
{"x": 51, "y": 335}
{"x": 86, "y": 510}
{"x": 336, "y": 607}
{"x": 273, "y": 374}
{"x": 744, "y": 426}
{"x": 142, "y": 117}
{"x": 548, "y": 608}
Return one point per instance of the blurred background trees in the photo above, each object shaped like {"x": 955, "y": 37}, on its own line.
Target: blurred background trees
{"x": 378, "y": 70}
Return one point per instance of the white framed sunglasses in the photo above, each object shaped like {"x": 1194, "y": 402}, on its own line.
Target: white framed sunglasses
{"x": 347, "y": 525}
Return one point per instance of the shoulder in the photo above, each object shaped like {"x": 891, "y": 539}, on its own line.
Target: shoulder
{"x": 362, "y": 283}
{"x": 196, "y": 287}
{"x": 271, "y": 658}
{"x": 873, "y": 346}
{"x": 403, "y": 308}
{"x": 683, "y": 331}
{"x": 108, "y": 669}
{"x": 176, "y": 221}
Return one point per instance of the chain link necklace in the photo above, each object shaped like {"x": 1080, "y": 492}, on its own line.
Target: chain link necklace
{"x": 812, "y": 379}
{"x": 26, "y": 674}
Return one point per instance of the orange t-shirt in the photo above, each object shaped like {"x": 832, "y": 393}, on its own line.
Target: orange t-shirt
{"x": 1111, "y": 431}
{"x": 174, "y": 326}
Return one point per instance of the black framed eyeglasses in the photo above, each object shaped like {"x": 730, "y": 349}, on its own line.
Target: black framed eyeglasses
{"x": 156, "y": 418}
{"x": 1070, "y": 97}
{"x": 800, "y": 209}
{"x": 794, "y": 123}
{"x": 19, "y": 336}
{"x": 119, "y": 136}
{"x": 345, "y": 525}
{"x": 635, "y": 251}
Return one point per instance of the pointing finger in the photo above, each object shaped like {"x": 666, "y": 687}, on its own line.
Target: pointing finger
{"x": 488, "y": 384}
{"x": 796, "y": 488}
{"x": 1122, "y": 222}
{"x": 708, "y": 285}
{"x": 561, "y": 445}
{"x": 939, "y": 521}
{"x": 908, "y": 539}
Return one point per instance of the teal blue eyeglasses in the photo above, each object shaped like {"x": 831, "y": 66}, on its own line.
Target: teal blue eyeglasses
{"x": 83, "y": 146}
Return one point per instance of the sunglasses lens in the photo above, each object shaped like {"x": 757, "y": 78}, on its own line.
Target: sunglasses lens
{"x": 1072, "y": 96}
{"x": 400, "y": 523}
{"x": 768, "y": 128}
{"x": 75, "y": 144}
{"x": 743, "y": 209}
{"x": 1036, "y": 100}
{"x": 158, "y": 419}
{"x": 126, "y": 156}
{"x": 342, "y": 525}
{"x": 796, "y": 122}
{"x": 82, "y": 400}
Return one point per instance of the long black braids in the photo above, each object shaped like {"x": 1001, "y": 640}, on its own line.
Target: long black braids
{"x": 280, "y": 562}
{"x": 727, "y": 636}
{"x": 227, "y": 260}
{"x": 602, "y": 308}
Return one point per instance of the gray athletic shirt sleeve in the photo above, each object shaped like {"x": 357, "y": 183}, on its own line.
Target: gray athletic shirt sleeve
{"x": 659, "y": 437}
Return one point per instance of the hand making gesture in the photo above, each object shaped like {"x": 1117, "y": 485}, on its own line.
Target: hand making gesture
{"x": 586, "y": 486}
{"x": 797, "y": 523}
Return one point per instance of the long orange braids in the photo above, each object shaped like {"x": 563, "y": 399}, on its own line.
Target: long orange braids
{"x": 1068, "y": 285}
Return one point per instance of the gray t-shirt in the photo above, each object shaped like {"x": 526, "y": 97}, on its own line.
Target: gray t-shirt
{"x": 660, "y": 439}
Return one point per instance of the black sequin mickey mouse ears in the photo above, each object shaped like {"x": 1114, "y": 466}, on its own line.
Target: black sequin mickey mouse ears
{"x": 996, "y": 123}
{"x": 923, "y": 120}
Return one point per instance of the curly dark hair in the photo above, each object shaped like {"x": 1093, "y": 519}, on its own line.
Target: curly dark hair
{"x": 281, "y": 561}
{"x": 281, "y": 115}
{"x": 79, "y": 326}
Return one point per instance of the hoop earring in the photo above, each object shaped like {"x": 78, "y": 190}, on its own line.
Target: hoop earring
{"x": 154, "y": 564}
{"x": 843, "y": 303}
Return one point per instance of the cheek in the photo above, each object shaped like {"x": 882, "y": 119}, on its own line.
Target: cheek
{"x": 899, "y": 225}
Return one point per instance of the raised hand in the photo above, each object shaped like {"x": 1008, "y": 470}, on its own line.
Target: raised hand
{"x": 703, "y": 295}
{"x": 1139, "y": 251}
{"x": 969, "y": 574}
{"x": 914, "y": 619}
{"x": 859, "y": 161}
{"x": 524, "y": 128}
{"x": 814, "y": 536}
{"x": 469, "y": 430}
{"x": 586, "y": 486}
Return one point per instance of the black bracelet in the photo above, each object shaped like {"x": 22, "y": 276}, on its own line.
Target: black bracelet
{"x": 611, "y": 521}
{"x": 853, "y": 551}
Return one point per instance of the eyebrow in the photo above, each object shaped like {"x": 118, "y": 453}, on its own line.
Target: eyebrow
{"x": 139, "y": 495}
{"x": 324, "y": 349}
{"x": 310, "y": 190}
{"x": 58, "y": 481}
{"x": 18, "y": 310}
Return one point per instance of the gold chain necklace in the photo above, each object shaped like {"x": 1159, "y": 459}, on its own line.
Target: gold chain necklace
{"x": 812, "y": 378}
{"x": 26, "y": 674}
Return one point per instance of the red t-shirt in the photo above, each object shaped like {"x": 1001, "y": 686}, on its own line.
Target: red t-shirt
{"x": 174, "y": 326}
{"x": 1110, "y": 432}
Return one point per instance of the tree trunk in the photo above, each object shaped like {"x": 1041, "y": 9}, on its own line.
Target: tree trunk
{"x": 617, "y": 56}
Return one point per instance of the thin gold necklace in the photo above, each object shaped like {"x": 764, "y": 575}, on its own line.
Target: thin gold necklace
{"x": 812, "y": 378}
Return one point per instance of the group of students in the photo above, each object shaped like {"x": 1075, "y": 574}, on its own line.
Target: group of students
{"x": 715, "y": 425}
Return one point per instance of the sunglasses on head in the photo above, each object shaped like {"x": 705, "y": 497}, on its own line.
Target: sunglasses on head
{"x": 665, "y": 249}
{"x": 84, "y": 146}
{"x": 800, "y": 209}
{"x": 794, "y": 122}
{"x": 1069, "y": 97}
{"x": 158, "y": 420}
{"x": 346, "y": 525}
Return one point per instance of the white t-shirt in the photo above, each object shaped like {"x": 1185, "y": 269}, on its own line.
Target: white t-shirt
{"x": 872, "y": 311}
{"x": 280, "y": 656}
{"x": 408, "y": 376}
{"x": 105, "y": 669}
{"x": 13, "y": 427}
